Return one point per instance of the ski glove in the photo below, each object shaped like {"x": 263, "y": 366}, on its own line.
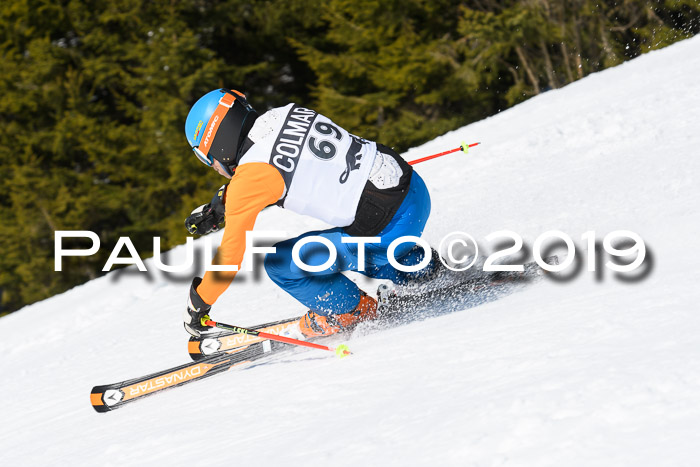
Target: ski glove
{"x": 197, "y": 311}
{"x": 208, "y": 217}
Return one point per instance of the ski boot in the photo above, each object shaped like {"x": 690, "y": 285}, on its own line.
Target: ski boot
{"x": 314, "y": 325}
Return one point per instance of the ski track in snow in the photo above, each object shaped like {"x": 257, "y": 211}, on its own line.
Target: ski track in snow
{"x": 586, "y": 372}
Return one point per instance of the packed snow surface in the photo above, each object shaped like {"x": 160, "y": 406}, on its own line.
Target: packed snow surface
{"x": 594, "y": 370}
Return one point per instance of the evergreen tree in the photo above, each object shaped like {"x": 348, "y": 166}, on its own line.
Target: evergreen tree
{"x": 387, "y": 70}
{"x": 95, "y": 95}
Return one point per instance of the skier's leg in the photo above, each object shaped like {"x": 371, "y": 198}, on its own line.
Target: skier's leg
{"x": 334, "y": 301}
{"x": 409, "y": 220}
{"x": 325, "y": 292}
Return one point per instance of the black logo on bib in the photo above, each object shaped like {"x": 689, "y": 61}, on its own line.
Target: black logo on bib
{"x": 352, "y": 158}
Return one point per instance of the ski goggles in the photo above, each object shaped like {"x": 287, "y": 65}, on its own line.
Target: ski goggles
{"x": 202, "y": 150}
{"x": 206, "y": 160}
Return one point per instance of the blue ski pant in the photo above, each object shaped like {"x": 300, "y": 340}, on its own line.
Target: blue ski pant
{"x": 330, "y": 292}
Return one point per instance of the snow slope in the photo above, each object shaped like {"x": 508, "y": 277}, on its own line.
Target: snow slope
{"x": 586, "y": 372}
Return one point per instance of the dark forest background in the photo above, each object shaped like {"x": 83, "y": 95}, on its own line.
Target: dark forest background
{"x": 95, "y": 95}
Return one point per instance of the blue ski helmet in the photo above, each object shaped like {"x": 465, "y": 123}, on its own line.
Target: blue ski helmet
{"x": 217, "y": 126}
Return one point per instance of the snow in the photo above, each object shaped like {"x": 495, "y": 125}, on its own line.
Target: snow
{"x": 590, "y": 371}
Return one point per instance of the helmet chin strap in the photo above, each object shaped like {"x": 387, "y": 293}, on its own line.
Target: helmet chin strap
{"x": 228, "y": 170}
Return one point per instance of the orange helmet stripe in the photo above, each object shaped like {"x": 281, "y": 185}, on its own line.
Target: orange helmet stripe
{"x": 215, "y": 120}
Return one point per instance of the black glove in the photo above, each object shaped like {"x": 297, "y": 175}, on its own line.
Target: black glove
{"x": 208, "y": 217}
{"x": 197, "y": 311}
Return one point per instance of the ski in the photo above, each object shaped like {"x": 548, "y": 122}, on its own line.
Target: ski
{"x": 474, "y": 291}
{"x": 226, "y": 342}
{"x": 110, "y": 397}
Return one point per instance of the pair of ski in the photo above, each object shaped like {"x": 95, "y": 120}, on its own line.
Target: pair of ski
{"x": 218, "y": 353}
{"x": 211, "y": 356}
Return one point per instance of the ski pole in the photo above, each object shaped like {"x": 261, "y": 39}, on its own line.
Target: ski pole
{"x": 464, "y": 148}
{"x": 341, "y": 351}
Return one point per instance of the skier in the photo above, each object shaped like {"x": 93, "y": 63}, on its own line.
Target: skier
{"x": 298, "y": 159}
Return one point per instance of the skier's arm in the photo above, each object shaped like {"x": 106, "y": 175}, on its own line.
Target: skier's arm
{"x": 253, "y": 187}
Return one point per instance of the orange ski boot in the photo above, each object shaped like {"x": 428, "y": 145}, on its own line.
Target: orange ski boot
{"x": 314, "y": 325}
